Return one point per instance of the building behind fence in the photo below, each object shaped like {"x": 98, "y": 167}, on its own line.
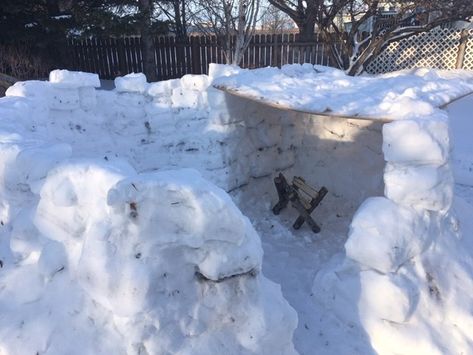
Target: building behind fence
{"x": 440, "y": 48}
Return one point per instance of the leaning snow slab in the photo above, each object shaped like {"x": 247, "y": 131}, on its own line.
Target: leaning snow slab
{"x": 326, "y": 91}
{"x": 122, "y": 263}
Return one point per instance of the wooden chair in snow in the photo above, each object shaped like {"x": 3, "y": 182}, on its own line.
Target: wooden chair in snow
{"x": 303, "y": 198}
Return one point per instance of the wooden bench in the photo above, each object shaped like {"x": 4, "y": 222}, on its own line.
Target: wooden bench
{"x": 303, "y": 198}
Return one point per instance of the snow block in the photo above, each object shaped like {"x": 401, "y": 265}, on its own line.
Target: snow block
{"x": 416, "y": 141}
{"x": 385, "y": 296}
{"x": 33, "y": 89}
{"x": 217, "y": 99}
{"x": 262, "y": 162}
{"x": 184, "y": 98}
{"x": 163, "y": 88}
{"x": 64, "y": 99}
{"x": 219, "y": 70}
{"x": 195, "y": 82}
{"x": 134, "y": 82}
{"x": 72, "y": 192}
{"x": 52, "y": 259}
{"x": 428, "y": 187}
{"x": 290, "y": 138}
{"x": 223, "y": 117}
{"x": 88, "y": 98}
{"x": 230, "y": 177}
{"x": 157, "y": 108}
{"x": 384, "y": 235}
{"x": 33, "y": 164}
{"x": 73, "y": 79}
{"x": 24, "y": 238}
{"x": 130, "y": 100}
{"x": 265, "y": 135}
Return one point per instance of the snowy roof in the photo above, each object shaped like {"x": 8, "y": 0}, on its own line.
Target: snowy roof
{"x": 327, "y": 91}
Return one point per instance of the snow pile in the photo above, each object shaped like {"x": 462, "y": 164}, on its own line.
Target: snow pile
{"x": 319, "y": 89}
{"x": 124, "y": 263}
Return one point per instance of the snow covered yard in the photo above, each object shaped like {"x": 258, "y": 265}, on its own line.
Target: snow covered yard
{"x": 121, "y": 255}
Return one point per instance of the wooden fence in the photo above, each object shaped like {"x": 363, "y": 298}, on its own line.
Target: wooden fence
{"x": 439, "y": 48}
{"x": 118, "y": 56}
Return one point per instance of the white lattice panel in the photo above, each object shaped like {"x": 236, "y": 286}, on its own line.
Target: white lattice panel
{"x": 468, "y": 60}
{"x": 435, "y": 49}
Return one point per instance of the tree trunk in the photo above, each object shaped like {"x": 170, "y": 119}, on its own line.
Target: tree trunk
{"x": 306, "y": 30}
{"x": 373, "y": 49}
{"x": 147, "y": 47}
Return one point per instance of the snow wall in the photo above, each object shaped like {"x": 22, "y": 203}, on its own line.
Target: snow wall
{"x": 392, "y": 281}
{"x": 100, "y": 259}
{"x": 389, "y": 281}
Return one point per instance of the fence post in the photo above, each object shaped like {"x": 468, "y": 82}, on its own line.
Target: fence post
{"x": 122, "y": 67}
{"x": 462, "y": 48}
{"x": 195, "y": 52}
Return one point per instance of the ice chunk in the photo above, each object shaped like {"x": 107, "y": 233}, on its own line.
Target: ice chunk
{"x": 73, "y": 79}
{"x": 134, "y": 82}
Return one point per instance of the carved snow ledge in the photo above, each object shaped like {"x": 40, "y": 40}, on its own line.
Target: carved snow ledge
{"x": 268, "y": 102}
{"x": 328, "y": 113}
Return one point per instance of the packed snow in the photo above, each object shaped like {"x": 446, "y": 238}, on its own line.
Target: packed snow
{"x": 318, "y": 89}
{"x": 109, "y": 246}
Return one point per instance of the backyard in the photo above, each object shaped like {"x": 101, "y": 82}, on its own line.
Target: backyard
{"x": 124, "y": 249}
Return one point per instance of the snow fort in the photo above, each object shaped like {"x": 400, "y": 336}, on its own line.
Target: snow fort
{"x": 122, "y": 231}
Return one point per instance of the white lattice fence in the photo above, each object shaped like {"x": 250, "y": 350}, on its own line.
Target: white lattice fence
{"x": 435, "y": 49}
{"x": 468, "y": 59}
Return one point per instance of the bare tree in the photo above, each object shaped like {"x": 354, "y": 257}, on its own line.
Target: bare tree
{"x": 147, "y": 47}
{"x": 176, "y": 13}
{"x": 275, "y": 21}
{"x": 353, "y": 47}
{"x": 303, "y": 13}
{"x": 233, "y": 22}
